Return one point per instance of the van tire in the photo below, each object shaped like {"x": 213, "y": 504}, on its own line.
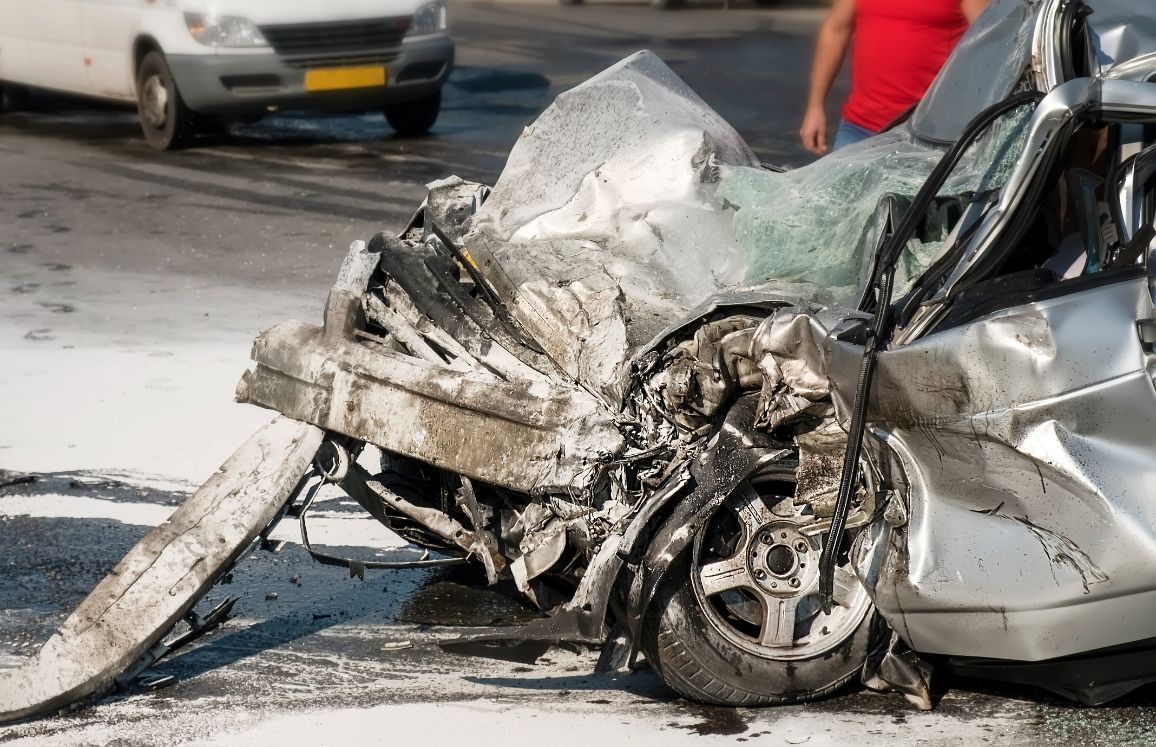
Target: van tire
{"x": 166, "y": 122}
{"x": 414, "y": 118}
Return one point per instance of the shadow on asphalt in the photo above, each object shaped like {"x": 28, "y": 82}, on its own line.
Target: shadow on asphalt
{"x": 474, "y": 99}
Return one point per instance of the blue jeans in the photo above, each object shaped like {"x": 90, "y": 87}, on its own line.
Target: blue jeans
{"x": 849, "y": 134}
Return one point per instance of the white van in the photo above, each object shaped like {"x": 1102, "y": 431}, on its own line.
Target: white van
{"x": 190, "y": 61}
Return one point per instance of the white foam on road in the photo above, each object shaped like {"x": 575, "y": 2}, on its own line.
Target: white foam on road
{"x": 116, "y": 371}
{"x": 325, "y": 527}
{"x": 51, "y": 506}
{"x": 480, "y": 723}
{"x": 485, "y": 722}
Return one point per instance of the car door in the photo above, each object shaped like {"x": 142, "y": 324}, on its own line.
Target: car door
{"x": 1024, "y": 434}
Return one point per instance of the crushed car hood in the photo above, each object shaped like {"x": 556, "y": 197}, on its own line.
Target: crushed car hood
{"x": 629, "y": 202}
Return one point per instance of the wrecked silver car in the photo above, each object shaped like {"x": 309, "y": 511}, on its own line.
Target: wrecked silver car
{"x": 774, "y": 431}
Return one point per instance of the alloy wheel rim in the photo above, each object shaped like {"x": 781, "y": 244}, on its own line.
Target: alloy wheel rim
{"x": 763, "y": 595}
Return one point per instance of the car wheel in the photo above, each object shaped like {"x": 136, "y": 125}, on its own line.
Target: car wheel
{"x": 737, "y": 620}
{"x": 569, "y": 2}
{"x": 666, "y": 4}
{"x": 416, "y": 117}
{"x": 166, "y": 122}
{"x": 768, "y": 3}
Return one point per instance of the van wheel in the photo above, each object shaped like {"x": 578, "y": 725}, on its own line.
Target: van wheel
{"x": 737, "y": 621}
{"x": 414, "y": 118}
{"x": 166, "y": 122}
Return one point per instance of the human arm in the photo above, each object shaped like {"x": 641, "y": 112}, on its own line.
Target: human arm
{"x": 830, "y": 49}
{"x": 972, "y": 8}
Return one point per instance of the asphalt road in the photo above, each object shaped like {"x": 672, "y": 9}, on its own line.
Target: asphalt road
{"x": 132, "y": 283}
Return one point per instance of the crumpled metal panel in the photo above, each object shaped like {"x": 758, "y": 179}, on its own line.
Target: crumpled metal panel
{"x": 984, "y": 68}
{"x": 787, "y": 348}
{"x": 795, "y": 400}
{"x": 1025, "y": 439}
{"x": 118, "y": 629}
{"x": 532, "y": 437}
{"x": 594, "y": 235}
{"x": 600, "y": 218}
{"x": 571, "y": 306}
{"x": 624, "y": 163}
{"x": 1121, "y": 30}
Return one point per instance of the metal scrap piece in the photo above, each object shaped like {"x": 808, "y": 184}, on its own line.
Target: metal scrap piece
{"x": 163, "y": 576}
{"x": 485, "y": 544}
{"x": 363, "y": 488}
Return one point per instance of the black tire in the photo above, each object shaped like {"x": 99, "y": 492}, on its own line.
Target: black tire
{"x": 414, "y": 118}
{"x": 684, "y": 645}
{"x": 166, "y": 122}
{"x": 666, "y": 4}
{"x": 768, "y": 3}
{"x": 569, "y": 2}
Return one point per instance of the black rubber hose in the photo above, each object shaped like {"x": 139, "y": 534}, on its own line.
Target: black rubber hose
{"x": 1072, "y": 22}
{"x": 880, "y": 329}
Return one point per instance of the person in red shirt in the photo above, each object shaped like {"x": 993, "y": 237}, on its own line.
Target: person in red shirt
{"x": 898, "y": 47}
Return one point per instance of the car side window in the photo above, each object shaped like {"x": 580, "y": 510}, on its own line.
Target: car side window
{"x": 1133, "y": 203}
{"x": 1077, "y": 237}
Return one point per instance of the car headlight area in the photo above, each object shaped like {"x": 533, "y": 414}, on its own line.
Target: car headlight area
{"x": 429, "y": 19}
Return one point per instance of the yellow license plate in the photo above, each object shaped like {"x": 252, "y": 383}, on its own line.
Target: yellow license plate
{"x": 341, "y": 78}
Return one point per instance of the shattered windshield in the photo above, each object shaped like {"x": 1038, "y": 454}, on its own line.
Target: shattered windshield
{"x": 815, "y": 224}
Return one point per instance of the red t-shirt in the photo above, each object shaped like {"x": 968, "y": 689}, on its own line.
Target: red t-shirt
{"x": 898, "y": 48}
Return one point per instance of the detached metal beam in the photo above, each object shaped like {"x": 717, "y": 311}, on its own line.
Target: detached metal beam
{"x": 163, "y": 576}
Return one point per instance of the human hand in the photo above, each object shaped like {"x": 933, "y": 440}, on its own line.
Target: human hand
{"x": 814, "y": 130}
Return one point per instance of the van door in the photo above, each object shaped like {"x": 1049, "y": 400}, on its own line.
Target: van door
{"x": 55, "y": 44}
{"x": 13, "y": 45}
{"x": 109, "y": 29}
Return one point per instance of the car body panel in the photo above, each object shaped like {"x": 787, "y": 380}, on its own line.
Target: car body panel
{"x": 1026, "y": 441}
